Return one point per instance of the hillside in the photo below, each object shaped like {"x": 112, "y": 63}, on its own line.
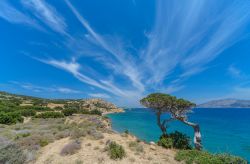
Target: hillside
{"x": 82, "y": 104}
{"x": 226, "y": 103}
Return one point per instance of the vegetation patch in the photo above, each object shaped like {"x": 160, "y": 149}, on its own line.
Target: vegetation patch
{"x": 116, "y": 151}
{"x": 12, "y": 154}
{"x": 135, "y": 146}
{"x": 202, "y": 157}
{"x": 50, "y": 115}
{"x": 175, "y": 140}
{"x": 71, "y": 148}
{"x": 10, "y": 118}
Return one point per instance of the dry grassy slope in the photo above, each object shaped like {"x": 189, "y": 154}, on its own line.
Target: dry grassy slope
{"x": 93, "y": 152}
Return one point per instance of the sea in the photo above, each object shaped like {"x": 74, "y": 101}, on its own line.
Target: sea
{"x": 224, "y": 130}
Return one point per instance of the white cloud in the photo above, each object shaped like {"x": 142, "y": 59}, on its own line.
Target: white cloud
{"x": 12, "y": 15}
{"x": 123, "y": 63}
{"x": 36, "y": 88}
{"x": 99, "y": 95}
{"x": 235, "y": 72}
{"x": 189, "y": 36}
{"x": 47, "y": 14}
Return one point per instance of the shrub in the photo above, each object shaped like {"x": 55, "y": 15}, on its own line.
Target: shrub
{"x": 37, "y": 108}
{"x": 71, "y": 148}
{"x": 50, "y": 115}
{"x": 202, "y": 157}
{"x": 135, "y": 146}
{"x": 94, "y": 112}
{"x": 116, "y": 151}
{"x": 22, "y": 135}
{"x": 68, "y": 112}
{"x": 58, "y": 108}
{"x": 43, "y": 142}
{"x": 28, "y": 112}
{"x": 12, "y": 154}
{"x": 95, "y": 134}
{"x": 10, "y": 118}
{"x": 165, "y": 142}
{"x": 78, "y": 133}
{"x": 180, "y": 140}
{"x": 176, "y": 140}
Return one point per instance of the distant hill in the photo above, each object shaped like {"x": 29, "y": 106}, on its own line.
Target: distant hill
{"x": 226, "y": 103}
{"x": 83, "y": 104}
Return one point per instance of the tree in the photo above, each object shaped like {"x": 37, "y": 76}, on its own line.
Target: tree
{"x": 179, "y": 111}
{"x": 159, "y": 103}
{"x": 177, "y": 108}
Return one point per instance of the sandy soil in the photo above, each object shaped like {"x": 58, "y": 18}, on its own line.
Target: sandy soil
{"x": 93, "y": 152}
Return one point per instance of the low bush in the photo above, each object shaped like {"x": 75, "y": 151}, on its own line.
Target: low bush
{"x": 202, "y": 157}
{"x": 71, "y": 148}
{"x": 68, "y": 112}
{"x": 28, "y": 112}
{"x": 95, "y": 134}
{"x": 10, "y": 118}
{"x": 94, "y": 112}
{"x": 116, "y": 151}
{"x": 58, "y": 108}
{"x": 50, "y": 115}
{"x": 77, "y": 133}
{"x": 176, "y": 140}
{"x": 39, "y": 108}
{"x": 165, "y": 142}
{"x": 135, "y": 146}
{"x": 43, "y": 142}
{"x": 180, "y": 140}
{"x": 12, "y": 154}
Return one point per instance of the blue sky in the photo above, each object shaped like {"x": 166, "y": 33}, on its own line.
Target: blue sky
{"x": 122, "y": 50}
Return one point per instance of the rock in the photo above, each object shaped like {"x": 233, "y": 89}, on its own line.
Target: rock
{"x": 152, "y": 143}
{"x": 152, "y": 147}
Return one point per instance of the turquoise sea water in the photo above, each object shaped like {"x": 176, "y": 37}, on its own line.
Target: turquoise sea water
{"x": 223, "y": 130}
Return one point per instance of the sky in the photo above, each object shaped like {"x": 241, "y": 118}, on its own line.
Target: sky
{"x": 122, "y": 50}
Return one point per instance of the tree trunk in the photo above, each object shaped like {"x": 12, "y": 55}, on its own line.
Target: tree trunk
{"x": 197, "y": 133}
{"x": 161, "y": 126}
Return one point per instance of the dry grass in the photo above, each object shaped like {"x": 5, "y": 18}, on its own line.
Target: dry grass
{"x": 37, "y": 133}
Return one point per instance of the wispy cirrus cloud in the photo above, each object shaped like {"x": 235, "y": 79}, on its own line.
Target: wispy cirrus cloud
{"x": 236, "y": 72}
{"x": 124, "y": 63}
{"x": 74, "y": 68}
{"x": 36, "y": 88}
{"x": 191, "y": 35}
{"x": 183, "y": 41}
{"x": 47, "y": 14}
{"x": 99, "y": 95}
{"x": 12, "y": 15}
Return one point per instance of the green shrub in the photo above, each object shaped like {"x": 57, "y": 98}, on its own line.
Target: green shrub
{"x": 58, "y": 108}
{"x": 68, "y": 112}
{"x": 22, "y": 135}
{"x": 39, "y": 108}
{"x": 10, "y": 118}
{"x": 202, "y": 157}
{"x": 116, "y": 151}
{"x": 28, "y": 112}
{"x": 43, "y": 142}
{"x": 166, "y": 142}
{"x": 180, "y": 140}
{"x": 50, "y": 115}
{"x": 94, "y": 112}
{"x": 176, "y": 140}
